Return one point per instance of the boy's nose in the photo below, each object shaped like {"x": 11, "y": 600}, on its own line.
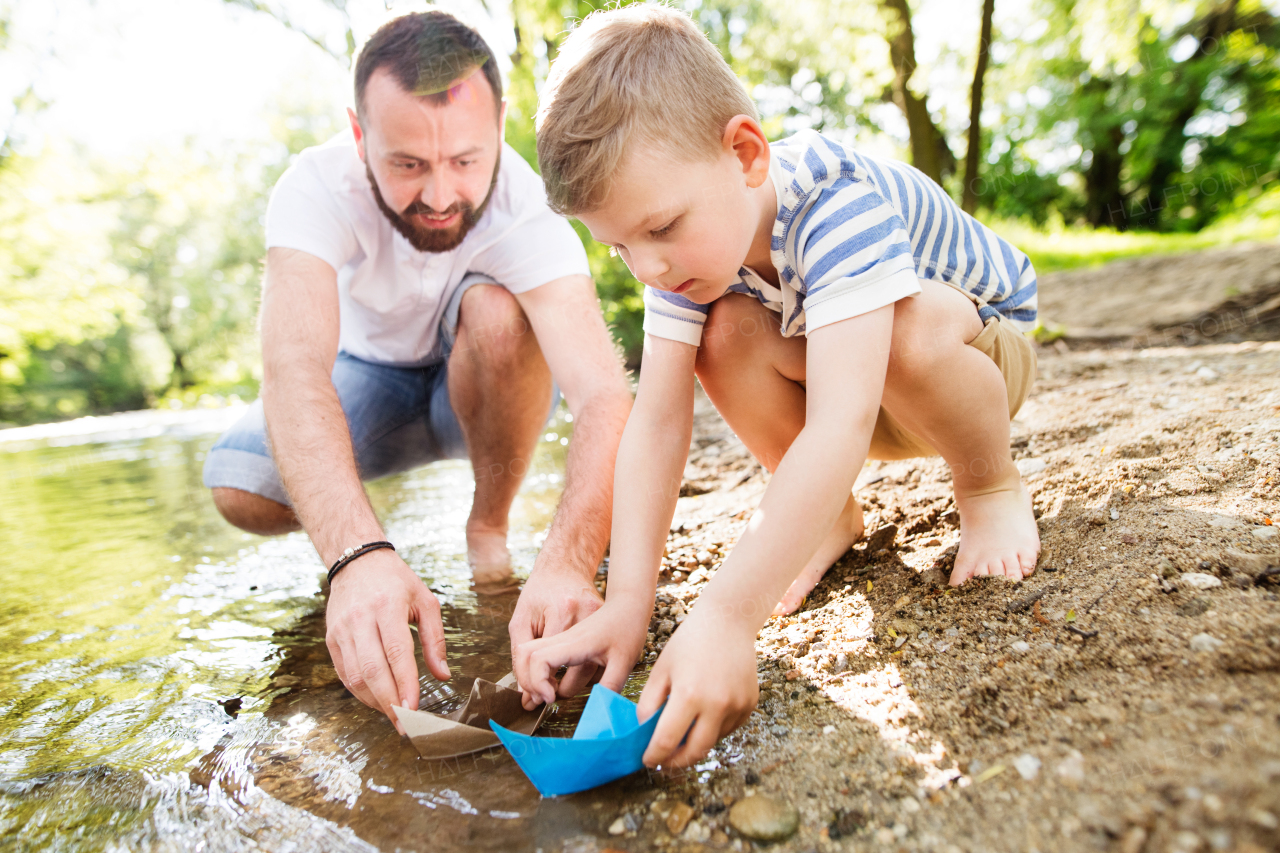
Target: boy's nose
{"x": 649, "y": 267}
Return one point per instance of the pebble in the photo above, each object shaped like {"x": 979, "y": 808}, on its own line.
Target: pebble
{"x": 1266, "y": 534}
{"x": 779, "y": 731}
{"x": 1264, "y": 819}
{"x": 1021, "y": 647}
{"x": 763, "y": 818}
{"x": 828, "y": 730}
{"x": 1205, "y": 643}
{"x": 624, "y": 824}
{"x": 1200, "y": 580}
{"x": 1027, "y": 467}
{"x": 1071, "y": 768}
{"x": 1207, "y": 373}
{"x": 678, "y": 817}
{"x": 698, "y": 832}
{"x": 1027, "y": 765}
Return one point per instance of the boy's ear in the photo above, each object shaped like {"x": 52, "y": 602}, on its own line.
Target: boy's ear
{"x": 744, "y": 138}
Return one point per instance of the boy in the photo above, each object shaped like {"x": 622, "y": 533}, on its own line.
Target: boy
{"x": 833, "y": 306}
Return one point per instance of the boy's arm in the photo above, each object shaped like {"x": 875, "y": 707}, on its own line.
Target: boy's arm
{"x": 707, "y": 673}
{"x": 651, "y": 458}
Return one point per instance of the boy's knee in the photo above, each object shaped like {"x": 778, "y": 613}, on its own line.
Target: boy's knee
{"x": 927, "y": 330}
{"x": 733, "y": 321}
{"x": 254, "y": 513}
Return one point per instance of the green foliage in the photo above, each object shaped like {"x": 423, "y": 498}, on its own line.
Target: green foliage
{"x": 1130, "y": 117}
{"x": 1110, "y": 129}
{"x": 122, "y": 284}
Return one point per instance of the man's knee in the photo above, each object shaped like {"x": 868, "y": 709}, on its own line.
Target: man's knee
{"x": 254, "y": 513}
{"x": 492, "y": 324}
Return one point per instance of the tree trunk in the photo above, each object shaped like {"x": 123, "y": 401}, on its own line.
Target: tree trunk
{"x": 1168, "y": 156}
{"x": 929, "y": 151}
{"x": 973, "y": 155}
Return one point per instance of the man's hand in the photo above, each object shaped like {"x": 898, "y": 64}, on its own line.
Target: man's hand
{"x": 707, "y": 677}
{"x": 610, "y": 639}
{"x": 371, "y": 604}
{"x": 552, "y": 601}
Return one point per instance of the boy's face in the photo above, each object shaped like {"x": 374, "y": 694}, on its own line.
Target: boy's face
{"x": 681, "y": 227}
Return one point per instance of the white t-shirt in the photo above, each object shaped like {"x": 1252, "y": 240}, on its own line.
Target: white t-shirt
{"x": 391, "y": 295}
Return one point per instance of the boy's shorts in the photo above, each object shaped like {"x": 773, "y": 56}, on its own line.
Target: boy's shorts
{"x": 1000, "y": 341}
{"x": 399, "y": 418}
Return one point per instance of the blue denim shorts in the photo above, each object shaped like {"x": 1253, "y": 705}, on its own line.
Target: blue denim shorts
{"x": 399, "y": 417}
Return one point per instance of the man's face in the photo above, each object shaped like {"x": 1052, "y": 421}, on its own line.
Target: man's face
{"x": 431, "y": 166}
{"x": 680, "y": 227}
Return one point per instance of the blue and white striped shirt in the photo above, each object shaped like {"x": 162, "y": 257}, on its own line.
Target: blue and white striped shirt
{"x": 855, "y": 233}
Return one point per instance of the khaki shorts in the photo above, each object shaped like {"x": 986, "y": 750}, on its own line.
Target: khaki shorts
{"x": 1003, "y": 344}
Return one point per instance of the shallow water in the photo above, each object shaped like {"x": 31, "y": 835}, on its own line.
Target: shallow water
{"x": 164, "y": 682}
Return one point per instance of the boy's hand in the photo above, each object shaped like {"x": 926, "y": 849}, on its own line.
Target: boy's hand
{"x": 553, "y": 600}
{"x": 610, "y": 639}
{"x": 707, "y": 677}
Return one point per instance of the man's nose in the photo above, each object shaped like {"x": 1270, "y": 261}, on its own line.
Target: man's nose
{"x": 439, "y": 193}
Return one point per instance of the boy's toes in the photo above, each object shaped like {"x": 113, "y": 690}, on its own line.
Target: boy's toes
{"x": 1012, "y": 568}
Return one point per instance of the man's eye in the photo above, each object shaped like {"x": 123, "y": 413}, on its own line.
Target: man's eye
{"x": 406, "y": 166}
{"x": 465, "y": 162}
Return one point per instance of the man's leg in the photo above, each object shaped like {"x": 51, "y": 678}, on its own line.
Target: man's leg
{"x": 753, "y": 375}
{"x": 499, "y": 389}
{"x": 955, "y": 397}
{"x": 254, "y": 513}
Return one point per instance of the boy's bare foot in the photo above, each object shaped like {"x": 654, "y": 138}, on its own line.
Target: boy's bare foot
{"x": 487, "y": 555}
{"x": 998, "y": 535}
{"x": 847, "y": 530}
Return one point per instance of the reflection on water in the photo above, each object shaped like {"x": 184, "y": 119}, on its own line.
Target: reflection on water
{"x": 164, "y": 681}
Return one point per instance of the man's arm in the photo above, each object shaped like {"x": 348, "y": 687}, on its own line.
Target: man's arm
{"x": 565, "y": 316}
{"x": 375, "y": 597}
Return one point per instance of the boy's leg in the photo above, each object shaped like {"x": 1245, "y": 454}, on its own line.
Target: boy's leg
{"x": 753, "y": 375}
{"x": 499, "y": 386}
{"x": 955, "y": 397}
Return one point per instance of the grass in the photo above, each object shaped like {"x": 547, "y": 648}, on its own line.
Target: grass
{"x": 1060, "y": 247}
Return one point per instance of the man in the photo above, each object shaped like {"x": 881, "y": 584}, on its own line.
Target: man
{"x": 407, "y": 265}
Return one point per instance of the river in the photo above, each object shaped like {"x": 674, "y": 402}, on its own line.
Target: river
{"x": 164, "y": 682}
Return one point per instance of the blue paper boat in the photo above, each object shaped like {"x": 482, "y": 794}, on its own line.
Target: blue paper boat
{"x": 607, "y": 744}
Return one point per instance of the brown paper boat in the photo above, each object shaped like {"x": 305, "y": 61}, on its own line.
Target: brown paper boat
{"x": 466, "y": 730}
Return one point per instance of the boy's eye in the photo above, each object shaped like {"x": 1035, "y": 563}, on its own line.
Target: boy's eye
{"x": 665, "y": 229}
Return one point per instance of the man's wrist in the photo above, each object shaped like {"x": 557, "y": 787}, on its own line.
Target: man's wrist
{"x": 554, "y": 562}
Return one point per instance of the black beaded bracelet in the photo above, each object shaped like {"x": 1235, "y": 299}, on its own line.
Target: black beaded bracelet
{"x": 351, "y": 553}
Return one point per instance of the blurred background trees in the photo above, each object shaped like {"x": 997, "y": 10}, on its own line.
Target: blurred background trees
{"x": 1082, "y": 129}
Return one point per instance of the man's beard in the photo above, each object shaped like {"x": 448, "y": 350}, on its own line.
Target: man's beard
{"x": 434, "y": 239}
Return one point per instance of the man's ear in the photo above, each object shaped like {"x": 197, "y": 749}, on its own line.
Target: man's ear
{"x": 744, "y": 138}
{"x": 356, "y": 131}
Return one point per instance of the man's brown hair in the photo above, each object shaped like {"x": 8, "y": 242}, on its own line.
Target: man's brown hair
{"x": 425, "y": 52}
{"x": 641, "y": 75}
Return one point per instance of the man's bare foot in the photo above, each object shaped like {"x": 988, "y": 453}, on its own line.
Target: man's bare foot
{"x": 488, "y": 556}
{"x": 847, "y": 530}
{"x": 998, "y": 536}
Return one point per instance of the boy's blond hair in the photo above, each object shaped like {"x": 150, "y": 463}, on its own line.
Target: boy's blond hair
{"x": 642, "y": 75}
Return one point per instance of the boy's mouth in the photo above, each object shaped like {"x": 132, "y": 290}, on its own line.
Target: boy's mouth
{"x": 681, "y": 288}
